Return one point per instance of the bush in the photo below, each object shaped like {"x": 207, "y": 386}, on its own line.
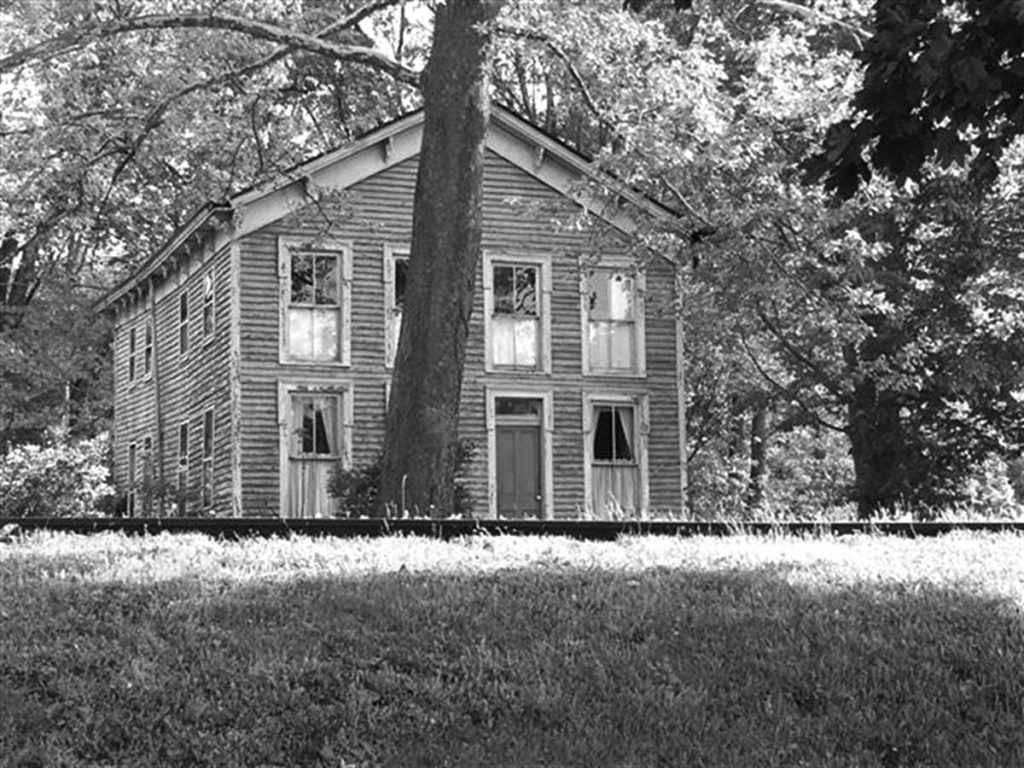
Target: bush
{"x": 61, "y": 479}
{"x": 357, "y": 489}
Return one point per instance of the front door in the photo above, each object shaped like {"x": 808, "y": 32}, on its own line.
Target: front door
{"x": 518, "y": 457}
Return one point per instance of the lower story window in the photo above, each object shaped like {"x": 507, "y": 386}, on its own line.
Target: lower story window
{"x": 615, "y": 477}
{"x": 315, "y": 450}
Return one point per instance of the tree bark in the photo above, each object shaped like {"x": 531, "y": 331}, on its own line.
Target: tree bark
{"x": 877, "y": 448}
{"x": 418, "y": 471}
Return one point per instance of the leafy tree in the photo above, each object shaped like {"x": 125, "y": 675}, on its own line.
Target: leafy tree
{"x": 943, "y": 83}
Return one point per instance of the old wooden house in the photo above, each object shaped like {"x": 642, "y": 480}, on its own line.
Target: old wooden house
{"x": 253, "y": 353}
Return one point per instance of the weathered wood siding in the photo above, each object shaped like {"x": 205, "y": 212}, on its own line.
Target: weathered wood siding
{"x": 188, "y": 384}
{"x": 378, "y": 212}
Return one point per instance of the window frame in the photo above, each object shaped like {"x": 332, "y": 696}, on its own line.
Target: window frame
{"x": 207, "y": 491}
{"x": 640, "y": 402}
{"x": 542, "y": 263}
{"x": 147, "y": 348}
{"x": 392, "y": 253}
{"x": 287, "y": 388}
{"x": 183, "y": 316}
{"x": 132, "y": 479}
{"x": 639, "y": 317}
{"x": 181, "y": 469}
{"x": 344, "y": 250}
{"x": 133, "y": 346}
{"x": 208, "y": 285}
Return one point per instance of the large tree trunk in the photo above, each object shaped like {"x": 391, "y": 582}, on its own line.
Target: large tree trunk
{"x": 421, "y": 437}
{"x": 877, "y": 448}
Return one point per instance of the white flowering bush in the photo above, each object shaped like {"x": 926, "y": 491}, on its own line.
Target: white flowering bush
{"x": 60, "y": 479}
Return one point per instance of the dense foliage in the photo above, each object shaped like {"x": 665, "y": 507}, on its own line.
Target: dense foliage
{"x": 861, "y": 347}
{"x": 61, "y": 478}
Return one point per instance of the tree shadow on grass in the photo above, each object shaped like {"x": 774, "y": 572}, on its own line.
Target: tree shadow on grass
{"x": 540, "y": 665}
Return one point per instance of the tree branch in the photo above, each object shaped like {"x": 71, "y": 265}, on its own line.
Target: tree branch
{"x": 859, "y": 34}
{"x": 547, "y": 42}
{"x": 73, "y": 39}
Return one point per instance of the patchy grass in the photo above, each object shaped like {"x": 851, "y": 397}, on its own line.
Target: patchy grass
{"x": 180, "y": 650}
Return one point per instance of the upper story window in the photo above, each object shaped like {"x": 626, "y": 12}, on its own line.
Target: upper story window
{"x": 613, "y": 313}
{"x": 517, "y": 309}
{"x": 208, "y": 316}
{"x": 147, "y": 350}
{"x": 314, "y": 303}
{"x": 183, "y": 322}
{"x": 132, "y": 343}
{"x": 396, "y": 278}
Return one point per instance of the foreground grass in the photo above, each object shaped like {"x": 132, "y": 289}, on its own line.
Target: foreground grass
{"x": 179, "y": 650}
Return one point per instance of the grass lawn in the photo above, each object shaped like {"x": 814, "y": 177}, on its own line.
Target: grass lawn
{"x": 180, "y": 650}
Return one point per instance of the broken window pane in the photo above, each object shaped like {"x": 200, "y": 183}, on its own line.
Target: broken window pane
{"x": 326, "y": 279}
{"x": 302, "y": 278}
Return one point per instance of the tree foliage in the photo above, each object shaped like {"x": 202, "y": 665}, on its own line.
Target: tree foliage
{"x": 888, "y": 316}
{"x": 943, "y": 83}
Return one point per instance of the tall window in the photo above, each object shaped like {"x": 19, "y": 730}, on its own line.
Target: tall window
{"x": 612, "y": 314}
{"x": 147, "y": 350}
{"x": 208, "y": 316}
{"x": 132, "y": 479}
{"x": 515, "y": 316}
{"x": 208, "y": 458}
{"x": 517, "y": 310}
{"x": 183, "y": 322}
{"x": 396, "y": 278}
{"x": 132, "y": 343}
{"x": 315, "y": 450}
{"x": 182, "y": 502}
{"x": 615, "y": 468}
{"x": 314, "y": 294}
{"x": 147, "y": 475}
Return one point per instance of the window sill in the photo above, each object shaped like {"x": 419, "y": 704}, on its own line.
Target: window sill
{"x": 511, "y": 371}
{"x": 313, "y": 363}
{"x": 612, "y": 374}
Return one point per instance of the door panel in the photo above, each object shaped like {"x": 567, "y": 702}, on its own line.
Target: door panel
{"x": 517, "y": 464}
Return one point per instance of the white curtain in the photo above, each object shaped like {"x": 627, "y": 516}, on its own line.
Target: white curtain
{"x": 615, "y": 491}
{"x": 310, "y": 473}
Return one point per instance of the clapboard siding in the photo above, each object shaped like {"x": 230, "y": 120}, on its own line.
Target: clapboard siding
{"x": 376, "y": 213}
{"x": 188, "y": 385}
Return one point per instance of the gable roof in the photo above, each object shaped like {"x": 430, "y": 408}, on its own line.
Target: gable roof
{"x": 511, "y": 137}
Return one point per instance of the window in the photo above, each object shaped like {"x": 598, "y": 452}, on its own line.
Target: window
{"x": 613, "y": 434}
{"x": 615, "y": 473}
{"x": 147, "y": 350}
{"x": 614, "y": 317}
{"x": 131, "y": 355}
{"x": 396, "y": 278}
{"x": 516, "y": 304}
{"x": 147, "y": 475}
{"x": 514, "y": 318}
{"x": 315, "y": 293}
{"x": 182, "y": 502}
{"x": 207, "y": 458}
{"x": 132, "y": 470}
{"x": 316, "y": 438}
{"x": 208, "y": 317}
{"x": 183, "y": 323}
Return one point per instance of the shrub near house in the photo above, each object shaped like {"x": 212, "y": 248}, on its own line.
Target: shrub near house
{"x": 61, "y": 479}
